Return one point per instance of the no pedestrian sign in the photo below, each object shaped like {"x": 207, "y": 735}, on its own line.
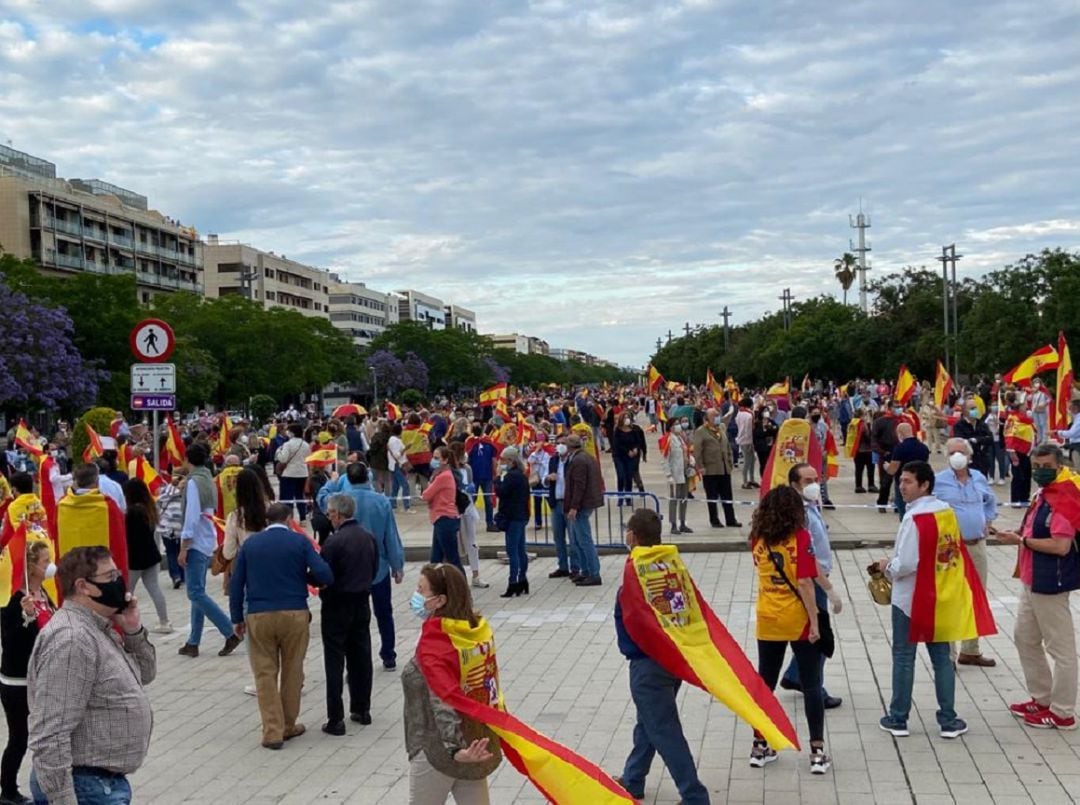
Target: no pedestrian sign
{"x": 152, "y": 341}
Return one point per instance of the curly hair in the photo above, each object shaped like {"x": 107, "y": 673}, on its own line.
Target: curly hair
{"x": 779, "y": 514}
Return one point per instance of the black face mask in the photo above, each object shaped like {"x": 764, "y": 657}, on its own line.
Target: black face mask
{"x": 815, "y": 417}
{"x": 113, "y": 594}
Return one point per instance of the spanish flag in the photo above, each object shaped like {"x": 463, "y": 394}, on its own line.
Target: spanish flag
{"x": 779, "y": 389}
{"x": 795, "y": 443}
{"x": 1064, "y": 386}
{"x": 124, "y": 456}
{"x": 853, "y": 437}
{"x": 459, "y": 663}
{"x": 949, "y": 602}
{"x": 225, "y": 481}
{"x": 1038, "y": 361}
{"x": 1019, "y": 432}
{"x": 661, "y": 414}
{"x": 175, "y": 451}
{"x": 832, "y": 455}
{"x": 218, "y": 525}
{"x": 714, "y": 388}
{"x": 501, "y": 410}
{"x": 655, "y": 379}
{"x": 323, "y": 457}
{"x": 25, "y": 520}
{"x": 490, "y": 396}
{"x": 664, "y": 613}
{"x": 1063, "y": 495}
{"x": 905, "y": 386}
{"x": 45, "y": 489}
{"x": 145, "y": 472}
{"x": 393, "y": 413}
{"x": 95, "y": 449}
{"x": 223, "y": 442}
{"x": 91, "y": 518}
{"x": 26, "y": 440}
{"x": 942, "y": 386}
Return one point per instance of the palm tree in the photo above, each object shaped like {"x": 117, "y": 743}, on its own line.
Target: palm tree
{"x": 844, "y": 267}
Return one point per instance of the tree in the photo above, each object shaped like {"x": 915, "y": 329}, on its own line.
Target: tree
{"x": 100, "y": 419}
{"x": 844, "y": 268}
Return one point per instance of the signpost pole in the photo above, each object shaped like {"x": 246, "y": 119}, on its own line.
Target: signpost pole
{"x": 154, "y": 443}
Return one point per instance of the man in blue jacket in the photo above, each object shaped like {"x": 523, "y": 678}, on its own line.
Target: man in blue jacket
{"x": 271, "y": 573}
{"x": 374, "y": 513}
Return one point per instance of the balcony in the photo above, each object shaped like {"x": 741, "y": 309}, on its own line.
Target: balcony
{"x": 70, "y": 227}
{"x": 122, "y": 241}
{"x": 93, "y": 233}
{"x": 65, "y": 260}
{"x": 146, "y": 248}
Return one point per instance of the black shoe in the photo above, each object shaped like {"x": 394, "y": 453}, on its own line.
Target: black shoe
{"x": 828, "y": 504}
{"x": 334, "y": 728}
{"x": 574, "y": 577}
{"x": 684, "y": 529}
{"x": 524, "y": 585}
{"x": 231, "y": 642}
{"x": 176, "y": 583}
{"x": 832, "y": 702}
{"x": 787, "y": 684}
{"x": 188, "y": 650}
{"x": 717, "y": 525}
{"x": 872, "y": 489}
{"x": 15, "y": 798}
{"x": 389, "y": 666}
{"x": 361, "y": 718}
{"x": 559, "y": 574}
{"x": 589, "y": 581}
{"x": 860, "y": 491}
{"x": 492, "y": 528}
{"x": 734, "y": 524}
{"x": 512, "y": 589}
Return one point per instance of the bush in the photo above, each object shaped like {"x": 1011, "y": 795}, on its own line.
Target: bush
{"x": 412, "y": 398}
{"x": 262, "y": 407}
{"x": 99, "y": 419}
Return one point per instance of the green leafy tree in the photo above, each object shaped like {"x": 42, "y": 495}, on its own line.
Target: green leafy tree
{"x": 100, "y": 419}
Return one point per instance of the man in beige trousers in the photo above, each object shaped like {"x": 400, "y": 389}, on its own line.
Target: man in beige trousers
{"x": 270, "y": 576}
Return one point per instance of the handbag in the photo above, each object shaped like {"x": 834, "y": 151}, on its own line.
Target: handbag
{"x": 880, "y": 587}
{"x": 826, "y": 643}
{"x": 218, "y": 563}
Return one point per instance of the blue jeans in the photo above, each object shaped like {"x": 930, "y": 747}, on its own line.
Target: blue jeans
{"x": 444, "y": 542}
{"x": 567, "y": 558}
{"x": 515, "y": 549}
{"x": 537, "y": 496}
{"x": 383, "y": 609}
{"x": 792, "y": 672}
{"x": 202, "y": 605}
{"x": 1000, "y": 460}
{"x": 658, "y": 729}
{"x": 172, "y": 552}
{"x": 581, "y": 534}
{"x": 903, "y": 672}
{"x": 92, "y": 787}
{"x": 400, "y": 484}
{"x": 483, "y": 489}
{"x": 292, "y": 490}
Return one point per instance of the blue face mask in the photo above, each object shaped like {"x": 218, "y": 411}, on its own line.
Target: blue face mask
{"x": 416, "y": 604}
{"x": 435, "y": 463}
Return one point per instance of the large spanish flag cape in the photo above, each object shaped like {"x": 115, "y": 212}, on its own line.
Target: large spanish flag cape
{"x": 588, "y": 443}
{"x": 458, "y": 661}
{"x": 225, "y": 481}
{"x": 795, "y": 444}
{"x": 1063, "y": 495}
{"x": 91, "y": 518}
{"x": 664, "y": 613}
{"x": 25, "y": 520}
{"x": 949, "y": 602}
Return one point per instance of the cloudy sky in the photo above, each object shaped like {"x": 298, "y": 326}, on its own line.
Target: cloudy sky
{"x": 593, "y": 173}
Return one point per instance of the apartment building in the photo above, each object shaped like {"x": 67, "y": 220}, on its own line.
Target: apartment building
{"x": 419, "y": 307}
{"x": 89, "y": 225}
{"x": 460, "y": 318}
{"x": 511, "y": 341}
{"x": 562, "y": 354}
{"x": 362, "y": 312}
{"x": 270, "y": 279}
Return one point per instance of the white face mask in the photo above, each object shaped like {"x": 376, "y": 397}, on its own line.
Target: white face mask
{"x": 50, "y": 570}
{"x": 812, "y": 492}
{"x": 958, "y": 461}
{"x": 676, "y": 428}
{"x": 560, "y": 449}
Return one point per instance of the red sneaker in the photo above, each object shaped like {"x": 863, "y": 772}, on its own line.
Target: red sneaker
{"x": 1027, "y": 708}
{"x": 1048, "y": 720}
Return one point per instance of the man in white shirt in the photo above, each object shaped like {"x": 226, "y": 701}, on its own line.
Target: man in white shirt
{"x": 1040, "y": 409}
{"x": 744, "y": 438}
{"x": 1071, "y": 435}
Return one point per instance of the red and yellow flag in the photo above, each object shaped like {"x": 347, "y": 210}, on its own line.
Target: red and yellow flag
{"x": 832, "y": 455}
{"x": 664, "y": 613}
{"x": 1040, "y": 360}
{"x": 145, "y": 472}
{"x": 852, "y": 438}
{"x": 661, "y": 414}
{"x": 655, "y": 379}
{"x": 323, "y": 457}
{"x": 218, "y": 525}
{"x": 949, "y": 602}
{"x": 25, "y": 520}
{"x": 942, "y": 386}
{"x": 223, "y": 443}
{"x": 588, "y": 443}
{"x": 393, "y": 413}
{"x": 25, "y": 439}
{"x": 780, "y": 389}
{"x": 45, "y": 489}
{"x": 459, "y": 663}
{"x": 795, "y": 443}
{"x": 175, "y": 451}
{"x": 714, "y": 388}
{"x": 95, "y": 449}
{"x": 1063, "y": 495}
{"x": 905, "y": 386}
{"x": 225, "y": 481}
{"x": 501, "y": 410}
{"x": 490, "y": 396}
{"x": 1063, "y": 388}
{"x": 91, "y": 518}
{"x": 1019, "y": 432}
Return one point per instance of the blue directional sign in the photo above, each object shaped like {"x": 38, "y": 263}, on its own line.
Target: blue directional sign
{"x": 153, "y": 402}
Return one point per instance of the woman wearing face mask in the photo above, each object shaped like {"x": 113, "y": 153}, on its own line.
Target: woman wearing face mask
{"x": 440, "y": 496}
{"x": 448, "y": 753}
{"x": 764, "y": 435}
{"x": 626, "y": 453}
{"x": 144, "y": 558}
{"x": 20, "y": 622}
{"x": 512, "y": 490}
{"x": 676, "y": 454}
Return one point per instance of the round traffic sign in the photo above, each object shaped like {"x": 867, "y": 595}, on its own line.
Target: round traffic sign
{"x": 152, "y": 341}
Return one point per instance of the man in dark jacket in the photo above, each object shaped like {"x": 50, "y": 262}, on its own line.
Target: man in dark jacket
{"x": 883, "y": 440}
{"x": 584, "y": 494}
{"x": 353, "y": 556}
{"x": 975, "y": 432}
{"x": 555, "y": 481}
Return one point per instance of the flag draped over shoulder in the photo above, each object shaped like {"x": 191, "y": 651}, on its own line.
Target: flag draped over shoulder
{"x": 1063, "y": 495}
{"x": 905, "y": 386}
{"x": 1040, "y": 360}
{"x": 490, "y": 396}
{"x": 25, "y": 520}
{"x": 25, "y": 439}
{"x": 942, "y": 386}
{"x": 225, "y": 481}
{"x": 459, "y": 663}
{"x": 1063, "y": 388}
{"x": 795, "y": 443}
{"x": 1019, "y": 432}
{"x": 667, "y": 618}
{"x": 949, "y": 602}
{"x": 88, "y": 519}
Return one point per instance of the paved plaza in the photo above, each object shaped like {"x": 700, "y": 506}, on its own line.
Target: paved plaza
{"x": 563, "y": 674}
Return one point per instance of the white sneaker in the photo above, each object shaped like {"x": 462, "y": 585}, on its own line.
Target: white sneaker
{"x": 480, "y": 585}
{"x": 163, "y": 628}
{"x": 250, "y": 690}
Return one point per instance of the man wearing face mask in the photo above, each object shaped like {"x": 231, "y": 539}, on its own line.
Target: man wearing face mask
{"x": 972, "y": 429}
{"x": 968, "y": 492}
{"x": 90, "y": 718}
{"x": 1049, "y": 566}
{"x": 713, "y": 455}
{"x": 820, "y": 429}
{"x": 804, "y": 479}
{"x": 569, "y": 566}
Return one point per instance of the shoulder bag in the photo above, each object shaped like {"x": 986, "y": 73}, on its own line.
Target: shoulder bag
{"x": 827, "y": 642}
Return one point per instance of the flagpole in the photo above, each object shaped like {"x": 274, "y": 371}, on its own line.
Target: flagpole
{"x": 154, "y": 443}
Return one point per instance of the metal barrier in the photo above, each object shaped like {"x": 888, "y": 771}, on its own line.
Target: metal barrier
{"x": 608, "y": 521}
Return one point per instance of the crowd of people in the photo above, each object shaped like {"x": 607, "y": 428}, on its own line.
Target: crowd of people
{"x": 328, "y": 523}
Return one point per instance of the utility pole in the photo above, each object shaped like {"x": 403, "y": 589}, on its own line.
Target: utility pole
{"x": 787, "y": 299}
{"x": 669, "y": 336}
{"x": 862, "y": 223}
{"x": 950, "y": 310}
{"x": 658, "y": 344}
{"x": 725, "y": 314}
{"x": 686, "y": 329}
